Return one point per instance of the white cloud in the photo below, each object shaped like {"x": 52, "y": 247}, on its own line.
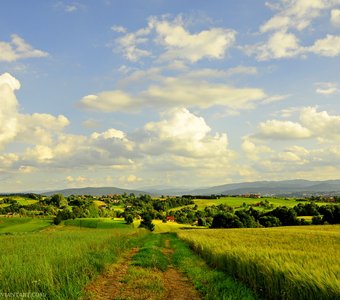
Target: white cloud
{"x": 279, "y": 45}
{"x": 184, "y": 134}
{"x": 297, "y": 14}
{"x": 327, "y": 88}
{"x": 8, "y": 109}
{"x": 321, "y": 124}
{"x": 176, "y": 42}
{"x": 119, "y": 29}
{"x": 328, "y": 46}
{"x": 107, "y": 101}
{"x": 30, "y": 129}
{"x": 183, "y": 91}
{"x": 190, "y": 89}
{"x": 17, "y": 49}
{"x": 275, "y": 129}
{"x": 335, "y": 17}
{"x": 181, "y": 44}
{"x": 285, "y": 27}
{"x": 129, "y": 44}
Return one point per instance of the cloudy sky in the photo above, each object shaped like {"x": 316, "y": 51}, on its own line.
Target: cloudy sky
{"x": 136, "y": 93}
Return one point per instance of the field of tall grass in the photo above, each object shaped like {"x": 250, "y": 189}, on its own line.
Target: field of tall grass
{"x": 58, "y": 263}
{"x": 277, "y": 263}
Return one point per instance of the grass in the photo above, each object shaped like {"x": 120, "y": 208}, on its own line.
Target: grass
{"x": 22, "y": 200}
{"x": 22, "y": 225}
{"x": 150, "y": 255}
{"x": 277, "y": 263}
{"x": 100, "y": 223}
{"x": 59, "y": 263}
{"x": 161, "y": 227}
{"x": 211, "y": 283}
{"x": 236, "y": 202}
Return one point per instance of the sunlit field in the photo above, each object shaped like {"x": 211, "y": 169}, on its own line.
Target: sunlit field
{"x": 59, "y": 262}
{"x": 278, "y": 263}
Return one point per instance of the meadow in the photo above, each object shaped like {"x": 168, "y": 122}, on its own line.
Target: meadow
{"x": 277, "y": 263}
{"x": 237, "y": 202}
{"x": 60, "y": 261}
{"x": 23, "y": 225}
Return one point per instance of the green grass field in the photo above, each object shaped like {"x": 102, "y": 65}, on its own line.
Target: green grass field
{"x": 237, "y": 202}
{"x": 100, "y": 223}
{"x": 22, "y": 200}
{"x": 278, "y": 263}
{"x": 22, "y": 225}
{"x": 59, "y": 262}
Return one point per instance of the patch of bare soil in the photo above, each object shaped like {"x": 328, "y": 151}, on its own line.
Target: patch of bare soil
{"x": 177, "y": 286}
{"x": 108, "y": 286}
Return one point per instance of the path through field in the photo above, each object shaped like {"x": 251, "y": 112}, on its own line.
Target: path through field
{"x": 126, "y": 280}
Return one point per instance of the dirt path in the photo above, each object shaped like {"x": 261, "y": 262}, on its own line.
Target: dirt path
{"x": 108, "y": 285}
{"x": 177, "y": 286}
{"x": 125, "y": 281}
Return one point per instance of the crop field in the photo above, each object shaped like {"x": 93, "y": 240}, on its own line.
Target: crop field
{"x": 22, "y": 225}
{"x": 278, "y": 263}
{"x": 59, "y": 262}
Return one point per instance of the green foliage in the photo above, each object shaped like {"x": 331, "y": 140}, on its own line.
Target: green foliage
{"x": 128, "y": 219}
{"x": 147, "y": 222}
{"x": 59, "y": 201}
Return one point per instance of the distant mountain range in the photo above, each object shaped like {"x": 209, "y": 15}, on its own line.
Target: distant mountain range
{"x": 94, "y": 191}
{"x": 292, "y": 188}
{"x": 279, "y": 188}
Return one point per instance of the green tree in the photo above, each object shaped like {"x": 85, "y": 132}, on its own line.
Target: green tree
{"x": 147, "y": 222}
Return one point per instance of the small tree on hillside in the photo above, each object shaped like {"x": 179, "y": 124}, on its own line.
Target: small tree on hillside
{"x": 147, "y": 222}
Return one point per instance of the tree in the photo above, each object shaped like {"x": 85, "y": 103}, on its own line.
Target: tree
{"x": 128, "y": 219}
{"x": 147, "y": 222}
{"x": 226, "y": 221}
{"x": 59, "y": 200}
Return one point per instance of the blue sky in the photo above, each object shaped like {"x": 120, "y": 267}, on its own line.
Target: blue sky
{"x": 168, "y": 93}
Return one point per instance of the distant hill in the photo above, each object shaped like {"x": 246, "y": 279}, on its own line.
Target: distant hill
{"x": 293, "y": 188}
{"x": 94, "y": 191}
{"x": 280, "y": 188}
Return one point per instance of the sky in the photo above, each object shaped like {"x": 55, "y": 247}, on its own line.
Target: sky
{"x": 159, "y": 93}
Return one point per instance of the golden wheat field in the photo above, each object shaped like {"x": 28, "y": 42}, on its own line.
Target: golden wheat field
{"x": 278, "y": 263}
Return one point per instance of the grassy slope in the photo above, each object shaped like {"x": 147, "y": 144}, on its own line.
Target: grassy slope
{"x": 237, "y": 202}
{"x": 21, "y": 225}
{"x": 279, "y": 263}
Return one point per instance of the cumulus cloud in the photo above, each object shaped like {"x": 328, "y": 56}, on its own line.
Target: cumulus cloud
{"x": 31, "y": 129}
{"x": 280, "y": 45}
{"x": 183, "y": 133}
{"x": 312, "y": 124}
{"x": 176, "y": 41}
{"x": 322, "y": 124}
{"x": 18, "y": 49}
{"x": 328, "y": 46}
{"x": 283, "y": 30}
{"x": 296, "y": 14}
{"x": 335, "y": 17}
{"x": 181, "y": 44}
{"x": 275, "y": 129}
{"x": 8, "y": 109}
